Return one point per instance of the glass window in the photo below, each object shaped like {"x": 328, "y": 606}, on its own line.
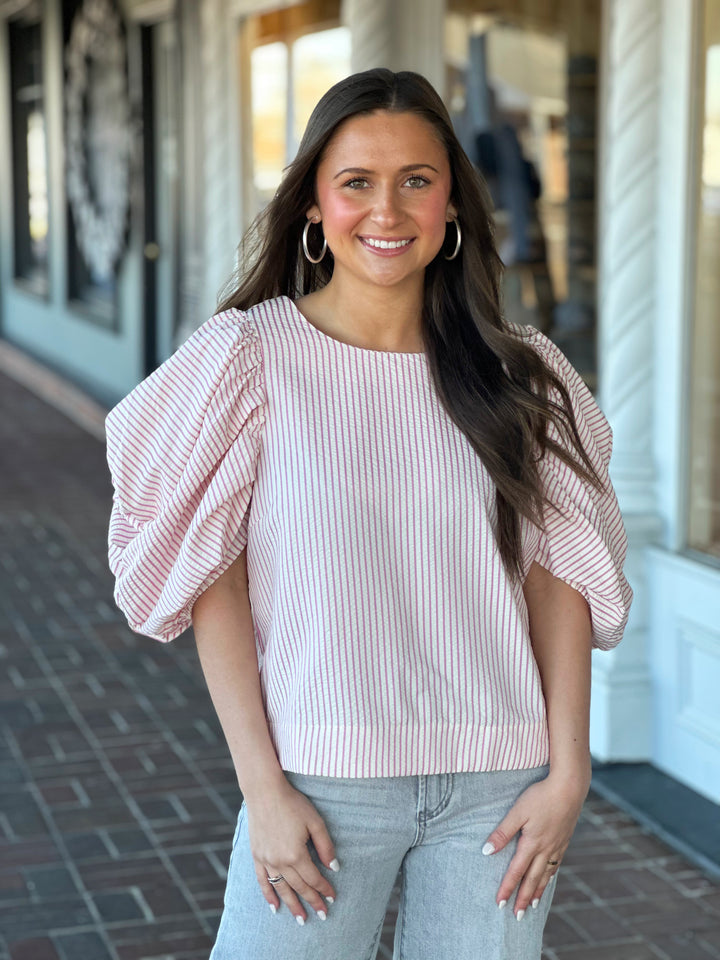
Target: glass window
{"x": 29, "y": 156}
{"x": 269, "y": 112}
{"x": 298, "y": 53}
{"x": 704, "y": 424}
{"x": 522, "y": 92}
{"x": 318, "y": 61}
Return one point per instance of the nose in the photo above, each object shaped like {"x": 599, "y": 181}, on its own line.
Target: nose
{"x": 387, "y": 210}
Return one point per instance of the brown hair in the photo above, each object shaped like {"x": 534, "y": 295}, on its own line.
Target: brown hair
{"x": 494, "y": 386}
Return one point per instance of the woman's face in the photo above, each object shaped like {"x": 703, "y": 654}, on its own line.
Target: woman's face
{"x": 383, "y": 195}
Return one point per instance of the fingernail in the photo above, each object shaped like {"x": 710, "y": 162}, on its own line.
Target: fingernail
{"x": 520, "y": 914}
{"x": 273, "y": 907}
{"x": 502, "y": 904}
{"x": 322, "y": 914}
{"x": 330, "y": 899}
{"x": 334, "y": 865}
{"x": 488, "y": 848}
{"x": 301, "y": 921}
{"x": 535, "y": 903}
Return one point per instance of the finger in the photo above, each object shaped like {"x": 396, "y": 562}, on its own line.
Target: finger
{"x": 323, "y": 844}
{"x": 310, "y": 874}
{"x": 548, "y": 877}
{"x": 527, "y": 892}
{"x": 503, "y": 833}
{"x": 305, "y": 890}
{"x": 285, "y": 890}
{"x": 516, "y": 870}
{"x": 268, "y": 891}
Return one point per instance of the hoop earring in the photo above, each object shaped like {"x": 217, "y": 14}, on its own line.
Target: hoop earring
{"x": 306, "y": 228}
{"x": 457, "y": 242}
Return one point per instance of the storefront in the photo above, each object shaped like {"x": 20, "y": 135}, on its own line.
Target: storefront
{"x": 597, "y": 125}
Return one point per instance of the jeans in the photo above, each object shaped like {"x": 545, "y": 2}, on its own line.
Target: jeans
{"x": 431, "y": 829}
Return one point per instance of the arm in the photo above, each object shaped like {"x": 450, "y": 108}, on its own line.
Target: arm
{"x": 546, "y": 813}
{"x": 560, "y": 633}
{"x": 224, "y": 633}
{"x": 280, "y": 819}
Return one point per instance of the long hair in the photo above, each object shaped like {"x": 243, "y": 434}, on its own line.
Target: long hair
{"x": 494, "y": 386}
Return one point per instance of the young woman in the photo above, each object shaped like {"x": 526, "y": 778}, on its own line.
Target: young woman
{"x": 387, "y": 514}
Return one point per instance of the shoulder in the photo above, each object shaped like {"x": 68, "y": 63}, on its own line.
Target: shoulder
{"x": 542, "y": 344}
{"x": 554, "y": 359}
{"x": 225, "y": 342}
{"x": 219, "y": 360}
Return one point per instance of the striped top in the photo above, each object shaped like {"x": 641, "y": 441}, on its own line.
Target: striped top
{"x": 390, "y": 640}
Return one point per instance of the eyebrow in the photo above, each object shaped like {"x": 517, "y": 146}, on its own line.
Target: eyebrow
{"x": 405, "y": 169}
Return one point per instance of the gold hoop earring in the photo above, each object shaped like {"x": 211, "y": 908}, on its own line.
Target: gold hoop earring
{"x": 306, "y": 251}
{"x": 458, "y": 242}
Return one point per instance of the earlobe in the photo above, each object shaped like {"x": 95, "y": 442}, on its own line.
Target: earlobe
{"x": 451, "y": 214}
{"x": 314, "y": 213}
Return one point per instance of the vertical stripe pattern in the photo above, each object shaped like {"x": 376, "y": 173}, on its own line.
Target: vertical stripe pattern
{"x": 390, "y": 640}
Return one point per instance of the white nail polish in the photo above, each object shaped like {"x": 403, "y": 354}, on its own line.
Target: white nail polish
{"x": 520, "y": 914}
{"x": 330, "y": 899}
{"x": 535, "y": 903}
{"x": 334, "y": 865}
{"x": 322, "y": 914}
{"x": 301, "y": 921}
{"x": 273, "y": 907}
{"x": 502, "y": 904}
{"x": 488, "y": 848}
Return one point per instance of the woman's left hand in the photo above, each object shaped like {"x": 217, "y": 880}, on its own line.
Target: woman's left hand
{"x": 546, "y": 815}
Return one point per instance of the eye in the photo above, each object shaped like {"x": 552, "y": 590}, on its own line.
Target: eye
{"x": 356, "y": 183}
{"x": 416, "y": 181}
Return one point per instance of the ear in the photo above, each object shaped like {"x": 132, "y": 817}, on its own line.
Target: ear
{"x": 314, "y": 213}
{"x": 451, "y": 212}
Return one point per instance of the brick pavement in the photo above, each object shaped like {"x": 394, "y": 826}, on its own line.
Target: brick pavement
{"x": 117, "y": 797}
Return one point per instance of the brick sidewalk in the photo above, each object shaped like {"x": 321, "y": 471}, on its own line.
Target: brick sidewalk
{"x": 117, "y": 797}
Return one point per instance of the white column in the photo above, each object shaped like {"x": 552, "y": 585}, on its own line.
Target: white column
{"x": 211, "y": 184}
{"x": 628, "y": 211}
{"x": 221, "y": 187}
{"x": 403, "y": 35}
{"x": 191, "y": 257}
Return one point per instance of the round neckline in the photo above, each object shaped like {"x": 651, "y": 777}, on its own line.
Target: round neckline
{"x": 349, "y": 346}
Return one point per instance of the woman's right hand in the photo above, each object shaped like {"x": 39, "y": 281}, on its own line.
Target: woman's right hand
{"x": 280, "y": 823}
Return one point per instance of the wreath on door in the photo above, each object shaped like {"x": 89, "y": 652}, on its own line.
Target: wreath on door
{"x": 98, "y": 135}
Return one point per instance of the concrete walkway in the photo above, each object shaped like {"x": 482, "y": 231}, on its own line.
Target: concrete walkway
{"x": 117, "y": 797}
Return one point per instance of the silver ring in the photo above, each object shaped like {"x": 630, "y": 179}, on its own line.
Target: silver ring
{"x": 276, "y": 879}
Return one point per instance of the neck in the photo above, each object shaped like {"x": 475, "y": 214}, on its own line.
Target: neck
{"x": 383, "y": 318}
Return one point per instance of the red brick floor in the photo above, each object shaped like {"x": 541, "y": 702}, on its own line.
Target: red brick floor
{"x": 117, "y": 797}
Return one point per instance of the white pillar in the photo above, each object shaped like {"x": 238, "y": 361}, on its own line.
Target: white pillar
{"x": 629, "y": 161}
{"x": 403, "y": 35}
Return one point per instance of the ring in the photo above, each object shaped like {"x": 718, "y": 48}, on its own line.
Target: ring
{"x": 553, "y": 863}
{"x": 276, "y": 879}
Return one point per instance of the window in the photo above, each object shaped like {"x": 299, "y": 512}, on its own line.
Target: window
{"x": 704, "y": 424}
{"x": 521, "y": 81}
{"x": 29, "y": 156}
{"x": 297, "y": 54}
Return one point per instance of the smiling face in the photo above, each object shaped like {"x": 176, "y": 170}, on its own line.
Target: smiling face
{"x": 383, "y": 195}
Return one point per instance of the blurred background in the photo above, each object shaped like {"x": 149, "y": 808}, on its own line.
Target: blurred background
{"x": 138, "y": 140}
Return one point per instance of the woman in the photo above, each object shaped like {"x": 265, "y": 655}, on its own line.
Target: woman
{"x": 387, "y": 514}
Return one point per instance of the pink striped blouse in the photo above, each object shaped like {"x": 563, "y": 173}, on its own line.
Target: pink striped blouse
{"x": 390, "y": 640}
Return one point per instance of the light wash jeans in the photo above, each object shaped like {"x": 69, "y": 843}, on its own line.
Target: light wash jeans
{"x": 429, "y": 828}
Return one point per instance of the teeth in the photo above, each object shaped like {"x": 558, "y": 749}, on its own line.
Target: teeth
{"x": 387, "y": 244}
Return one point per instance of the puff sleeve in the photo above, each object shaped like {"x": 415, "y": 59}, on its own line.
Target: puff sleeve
{"x": 584, "y": 541}
{"x": 182, "y": 448}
